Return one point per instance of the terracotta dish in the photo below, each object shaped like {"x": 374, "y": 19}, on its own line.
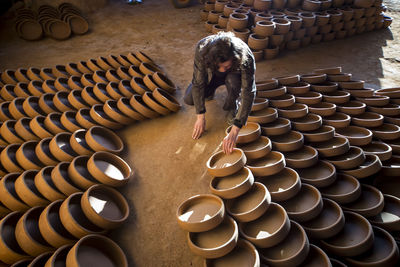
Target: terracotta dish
{"x": 349, "y": 160}
{"x": 370, "y": 202}
{"x": 270, "y": 164}
{"x": 233, "y": 185}
{"x": 276, "y": 127}
{"x": 256, "y": 149}
{"x": 345, "y": 189}
{"x": 321, "y": 174}
{"x": 220, "y": 164}
{"x": 304, "y": 157}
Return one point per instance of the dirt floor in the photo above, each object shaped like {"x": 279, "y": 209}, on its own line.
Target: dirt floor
{"x": 169, "y": 166}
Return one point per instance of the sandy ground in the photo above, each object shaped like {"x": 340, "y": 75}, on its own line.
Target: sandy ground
{"x": 169, "y": 166}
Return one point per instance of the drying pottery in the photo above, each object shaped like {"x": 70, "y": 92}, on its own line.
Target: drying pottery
{"x": 221, "y": 164}
{"x": 333, "y": 147}
{"x": 10, "y": 251}
{"x": 7, "y": 92}
{"x": 257, "y": 42}
{"x": 138, "y": 104}
{"x": 313, "y": 78}
{"x": 125, "y": 107}
{"x": 9, "y": 197}
{"x": 163, "y": 82}
{"x": 391, "y": 167}
{"x": 72, "y": 69}
{"x": 7, "y": 131}
{"x": 61, "y": 179}
{"x": 287, "y": 80}
{"x": 92, "y": 65}
{"x": 375, "y": 101}
{"x": 98, "y": 247}
{"x": 316, "y": 257}
{"x": 352, "y": 108}
{"x": 113, "y": 90}
{"x": 38, "y": 127}
{"x": 244, "y": 254}
{"x": 109, "y": 169}
{"x": 305, "y": 205}
{"x": 89, "y": 97}
{"x": 251, "y": 205}
{"x": 370, "y": 203}
{"x": 34, "y": 74}
{"x": 269, "y": 229}
{"x": 4, "y": 112}
{"x": 21, "y": 75}
{"x": 337, "y": 120}
{"x": 294, "y": 111}
{"x": 309, "y": 98}
{"x": 293, "y": 250}
{"x": 21, "y": 89}
{"x": 298, "y": 88}
{"x": 386, "y": 131}
{"x": 368, "y": 119}
{"x": 216, "y": 242}
{"x": 101, "y": 139}
{"x": 270, "y": 164}
{"x": 276, "y": 127}
{"x": 283, "y": 185}
{"x": 100, "y": 92}
{"x": 357, "y": 136}
{"x": 73, "y": 218}
{"x": 105, "y": 206}
{"x": 267, "y": 85}
{"x": 51, "y": 228}
{"x": 16, "y": 109}
{"x": 78, "y": 143}
{"x": 74, "y": 82}
{"x": 390, "y": 92}
{"x": 323, "y": 109}
{"x": 61, "y": 101}
{"x": 267, "y": 93}
{"x": 138, "y": 86}
{"x": 59, "y": 256}
{"x": 365, "y": 92}
{"x": 355, "y": 238}
{"x": 304, "y": 157}
{"x": 152, "y": 103}
{"x": 53, "y": 124}
{"x": 60, "y": 147}
{"x": 264, "y": 28}
{"x": 100, "y": 117}
{"x": 84, "y": 119}
{"x": 148, "y": 68}
{"x": 259, "y": 103}
{"x": 321, "y": 174}
{"x": 310, "y": 122}
{"x": 31, "y": 107}
{"x": 351, "y": 84}
{"x": 328, "y": 223}
{"x": 46, "y": 103}
{"x": 370, "y": 166}
{"x": 342, "y": 77}
{"x": 325, "y": 87}
{"x": 321, "y": 134}
{"x": 256, "y": 149}
{"x": 43, "y": 152}
{"x": 336, "y": 97}
{"x": 23, "y": 129}
{"x": 345, "y": 189}
{"x": 380, "y": 149}
{"x": 166, "y": 99}
{"x": 233, "y": 185}
{"x": 389, "y": 218}
{"x": 263, "y": 116}
{"x": 349, "y": 160}
{"x": 40, "y": 260}
{"x": 68, "y": 120}
{"x": 61, "y": 84}
{"x": 26, "y": 156}
{"x": 387, "y": 110}
{"x": 8, "y": 158}
{"x": 282, "y": 101}
{"x": 46, "y": 186}
{"x": 200, "y": 213}
{"x": 289, "y": 142}
{"x": 78, "y": 173}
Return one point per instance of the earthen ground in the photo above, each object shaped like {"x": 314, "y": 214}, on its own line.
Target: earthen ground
{"x": 169, "y": 166}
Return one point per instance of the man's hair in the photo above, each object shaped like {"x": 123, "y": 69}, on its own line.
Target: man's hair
{"x": 222, "y": 47}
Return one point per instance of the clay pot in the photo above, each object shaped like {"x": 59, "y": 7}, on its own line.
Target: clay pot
{"x": 355, "y": 238}
{"x": 337, "y": 120}
{"x": 218, "y": 166}
{"x": 388, "y": 218}
{"x": 8, "y": 158}
{"x": 289, "y": 142}
{"x": 103, "y": 63}
{"x": 349, "y": 160}
{"x": 264, "y": 28}
{"x": 375, "y": 101}
{"x": 59, "y": 256}
{"x": 257, "y": 42}
{"x": 61, "y": 179}
{"x": 352, "y": 108}
{"x": 248, "y": 133}
{"x": 22, "y": 129}
{"x": 96, "y": 247}
{"x": 27, "y": 191}
{"x": 282, "y": 26}
{"x": 52, "y": 122}
{"x": 333, "y": 147}
{"x": 294, "y": 111}
{"x": 68, "y": 120}
{"x": 7, "y": 131}
{"x": 345, "y": 189}
{"x": 78, "y": 143}
{"x": 257, "y": 148}
{"x": 200, "y": 213}
{"x": 60, "y": 147}
{"x": 268, "y": 85}
{"x": 305, "y": 157}
{"x": 34, "y": 74}
{"x": 100, "y": 117}
{"x": 323, "y": 133}
{"x": 109, "y": 169}
{"x": 16, "y": 109}
{"x": 277, "y": 127}
{"x": 45, "y": 185}
{"x": 309, "y": 98}
{"x": 262, "y": 4}
{"x": 43, "y": 152}
{"x": 282, "y": 185}
{"x": 224, "y": 238}
{"x": 31, "y": 107}
{"x": 89, "y": 97}
{"x": 125, "y": 107}
{"x": 387, "y": 110}
{"x": 370, "y": 203}
{"x": 298, "y": 88}
{"x": 357, "y": 136}
{"x": 7, "y": 92}
{"x": 298, "y": 243}
{"x": 21, "y": 75}
{"x": 9, "y": 196}
{"x": 370, "y": 166}
{"x": 114, "y": 208}
{"x": 10, "y": 251}
{"x": 154, "y": 104}
{"x": 382, "y": 150}
{"x": 46, "y": 103}
{"x": 74, "y": 82}
{"x": 21, "y": 90}
{"x": 328, "y": 223}
{"x": 267, "y": 93}
{"x": 40, "y": 260}
{"x": 336, "y": 97}
{"x": 234, "y": 185}
{"x": 321, "y": 174}
{"x": 72, "y": 69}
{"x": 163, "y": 82}
{"x": 78, "y": 173}
{"x": 251, "y": 205}
{"x": 138, "y": 104}
{"x": 386, "y": 131}
{"x": 26, "y": 156}
{"x": 323, "y": 109}
{"x": 237, "y": 20}
{"x": 271, "y": 164}
{"x": 259, "y": 103}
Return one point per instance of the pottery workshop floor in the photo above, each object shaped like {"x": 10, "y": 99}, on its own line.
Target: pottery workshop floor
{"x": 170, "y": 166}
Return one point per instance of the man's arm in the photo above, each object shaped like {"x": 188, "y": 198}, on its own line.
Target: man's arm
{"x": 199, "y": 82}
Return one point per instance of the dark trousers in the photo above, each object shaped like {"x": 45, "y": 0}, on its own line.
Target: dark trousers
{"x": 232, "y": 82}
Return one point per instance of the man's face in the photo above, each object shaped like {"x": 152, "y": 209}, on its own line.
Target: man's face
{"x": 225, "y": 66}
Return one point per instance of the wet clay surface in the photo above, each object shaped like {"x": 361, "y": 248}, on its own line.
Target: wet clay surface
{"x": 169, "y": 166}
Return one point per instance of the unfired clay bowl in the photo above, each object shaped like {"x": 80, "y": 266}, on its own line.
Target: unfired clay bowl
{"x": 368, "y": 119}
{"x": 59, "y": 256}
{"x": 323, "y": 133}
{"x": 380, "y": 149}
{"x": 323, "y": 109}
{"x": 291, "y": 141}
{"x": 321, "y": 174}
{"x": 263, "y": 116}
{"x": 317, "y": 257}
{"x": 336, "y": 97}
{"x": 357, "y": 136}
{"x": 233, "y": 185}
{"x": 352, "y": 108}
{"x": 344, "y": 190}
{"x": 220, "y": 164}
{"x": 304, "y": 157}
{"x": 270, "y": 164}
{"x": 310, "y": 122}
{"x": 276, "y": 127}
{"x": 251, "y": 205}
{"x": 370, "y": 166}
{"x": 216, "y": 242}
{"x": 337, "y": 120}
{"x": 268, "y": 230}
{"x": 200, "y": 213}
{"x": 349, "y": 160}
{"x": 355, "y": 238}
{"x": 9, "y": 196}
{"x": 332, "y": 147}
{"x": 370, "y": 202}
{"x": 386, "y": 131}
{"x": 256, "y": 149}
{"x": 248, "y": 133}
{"x": 328, "y": 223}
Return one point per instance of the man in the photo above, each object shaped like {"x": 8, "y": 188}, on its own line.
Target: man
{"x": 222, "y": 59}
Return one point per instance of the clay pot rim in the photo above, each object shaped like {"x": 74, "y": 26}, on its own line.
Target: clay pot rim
{"x": 337, "y": 208}
{"x": 298, "y": 136}
{"x": 343, "y": 131}
{"x": 323, "y": 129}
{"x": 359, "y": 151}
{"x": 358, "y": 105}
{"x": 122, "y": 164}
{"x": 386, "y": 128}
{"x": 277, "y": 155}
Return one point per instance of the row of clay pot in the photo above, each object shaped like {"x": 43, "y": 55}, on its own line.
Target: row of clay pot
{"x": 47, "y": 227}
{"x": 56, "y": 23}
{"x": 110, "y": 62}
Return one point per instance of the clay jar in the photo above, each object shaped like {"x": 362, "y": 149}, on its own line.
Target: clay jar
{"x": 282, "y": 26}
{"x": 257, "y": 42}
{"x": 100, "y": 248}
{"x": 238, "y": 20}
{"x": 200, "y": 213}
{"x": 264, "y": 28}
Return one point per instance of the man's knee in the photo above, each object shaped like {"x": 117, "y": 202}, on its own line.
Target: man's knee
{"x": 188, "y": 98}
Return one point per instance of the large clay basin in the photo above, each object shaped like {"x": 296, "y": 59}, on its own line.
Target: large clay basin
{"x": 370, "y": 166}
{"x": 26, "y": 156}
{"x": 316, "y": 258}
{"x": 357, "y": 136}
{"x": 323, "y": 133}
{"x": 221, "y": 164}
{"x": 370, "y": 203}
{"x": 27, "y": 191}
{"x": 233, "y": 185}
{"x": 290, "y": 141}
{"x": 333, "y": 147}
{"x": 46, "y": 186}
{"x": 256, "y": 149}
{"x": 276, "y": 127}
{"x": 248, "y": 133}
{"x": 321, "y": 174}
{"x": 270, "y": 164}
{"x": 310, "y": 122}
{"x": 345, "y": 189}
{"x": 304, "y": 157}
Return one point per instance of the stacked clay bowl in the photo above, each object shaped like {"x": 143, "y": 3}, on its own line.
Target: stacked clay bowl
{"x": 270, "y": 27}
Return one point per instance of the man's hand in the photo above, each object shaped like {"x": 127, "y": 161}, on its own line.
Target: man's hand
{"x": 199, "y": 126}
{"x": 230, "y": 140}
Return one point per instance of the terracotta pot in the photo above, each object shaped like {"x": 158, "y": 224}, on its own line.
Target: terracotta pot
{"x": 355, "y": 238}
{"x": 282, "y": 26}
{"x": 323, "y": 109}
{"x": 305, "y": 157}
{"x": 386, "y": 131}
{"x": 43, "y": 152}
{"x": 100, "y": 117}
{"x": 262, "y": 4}
{"x": 60, "y": 147}
{"x": 264, "y": 28}
{"x": 83, "y": 67}
{"x": 349, "y": 160}
{"x": 46, "y": 103}
{"x": 345, "y": 189}
{"x": 297, "y": 240}
{"x": 10, "y": 251}
{"x": 8, "y": 158}
{"x": 78, "y": 173}
{"x": 237, "y": 20}
{"x": 321, "y": 174}
{"x": 89, "y": 97}
{"x": 113, "y": 90}
{"x": 60, "y": 71}
{"x": 61, "y": 84}
{"x": 131, "y": 72}
{"x": 332, "y": 147}
{"x": 380, "y": 149}
{"x": 225, "y": 237}
{"x": 68, "y": 120}
{"x": 59, "y": 256}
{"x": 21, "y": 89}
{"x": 28, "y": 235}
{"x": 62, "y": 180}
{"x": 78, "y": 143}
{"x": 271, "y": 164}
{"x": 268, "y": 85}
{"x": 368, "y": 119}
{"x": 109, "y": 169}
{"x": 321, "y": 134}
{"x": 257, "y": 42}
{"x": 7, "y": 131}
{"x": 72, "y": 69}
{"x": 52, "y": 122}
{"x": 289, "y": 142}
{"x": 45, "y": 185}
{"x": 26, "y": 156}
{"x": 96, "y": 247}
{"x": 40, "y": 260}
{"x": 100, "y": 92}
{"x": 9, "y": 196}
{"x": 87, "y": 80}
{"x": 123, "y": 60}
{"x": 103, "y": 63}
{"x": 388, "y": 218}
{"x": 248, "y": 133}
{"x": 138, "y": 104}
{"x": 370, "y": 203}
{"x": 138, "y": 86}
{"x": 310, "y": 122}
{"x": 191, "y": 213}
{"x": 154, "y": 104}
{"x": 73, "y": 218}
{"x": 251, "y": 205}
{"x": 271, "y": 52}
{"x": 257, "y": 149}
{"x": 74, "y": 83}
{"x": 317, "y": 256}
{"x": 21, "y": 75}
{"x": 216, "y": 164}
{"x": 234, "y": 185}
{"x": 23, "y": 129}
{"x": 114, "y": 211}
{"x": 26, "y": 189}
{"x": 294, "y": 111}
{"x": 277, "y": 127}
{"x": 370, "y": 166}
{"x": 8, "y": 76}
{"x": 34, "y": 74}
{"x": 125, "y": 107}
{"x": 31, "y": 107}
{"x": 112, "y": 76}
{"x": 375, "y": 101}
{"x": 148, "y": 68}
{"x": 357, "y": 136}
{"x": 336, "y": 97}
